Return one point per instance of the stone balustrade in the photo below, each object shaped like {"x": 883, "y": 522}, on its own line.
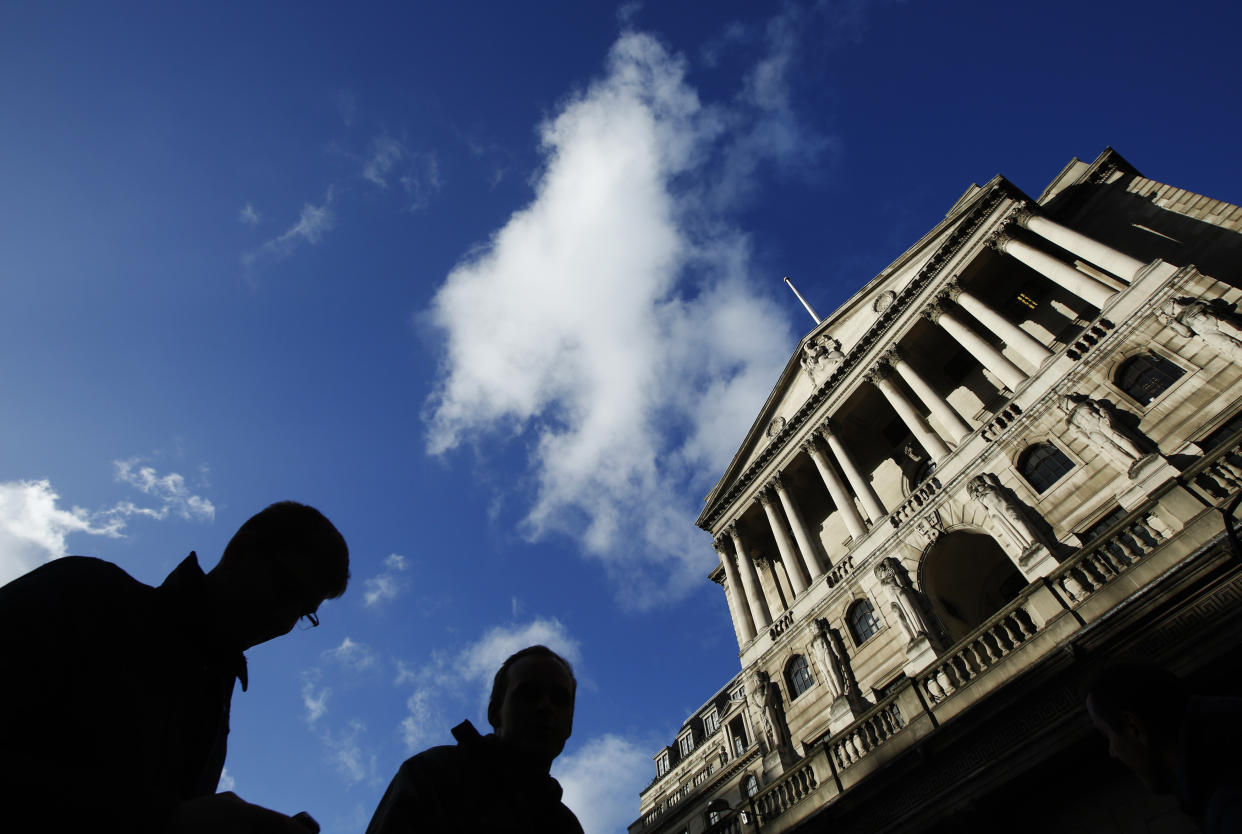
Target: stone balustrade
{"x": 874, "y": 727}
{"x": 780, "y": 626}
{"x": 1003, "y": 633}
{"x": 1003, "y": 420}
{"x": 1089, "y": 338}
{"x": 1104, "y": 560}
{"x": 786, "y": 792}
{"x": 917, "y": 500}
{"x": 839, "y": 571}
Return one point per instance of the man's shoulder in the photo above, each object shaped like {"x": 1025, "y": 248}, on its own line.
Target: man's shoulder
{"x": 71, "y": 577}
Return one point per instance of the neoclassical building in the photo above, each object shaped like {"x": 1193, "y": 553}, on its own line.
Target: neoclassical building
{"x": 1010, "y": 454}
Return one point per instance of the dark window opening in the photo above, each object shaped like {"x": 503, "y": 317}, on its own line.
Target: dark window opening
{"x": 863, "y": 622}
{"x": 1147, "y": 376}
{"x": 798, "y": 676}
{"x": 1042, "y": 465}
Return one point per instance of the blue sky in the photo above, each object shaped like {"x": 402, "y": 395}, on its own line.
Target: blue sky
{"x": 497, "y": 287}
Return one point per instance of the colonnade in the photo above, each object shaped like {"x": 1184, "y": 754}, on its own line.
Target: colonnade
{"x": 955, "y": 311}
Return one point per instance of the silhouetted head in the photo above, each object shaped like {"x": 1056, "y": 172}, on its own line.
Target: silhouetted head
{"x": 532, "y": 703}
{"x": 1139, "y": 708}
{"x": 278, "y": 567}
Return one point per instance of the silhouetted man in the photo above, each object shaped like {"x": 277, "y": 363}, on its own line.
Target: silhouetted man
{"x": 496, "y": 783}
{"x": 114, "y": 708}
{"x": 1175, "y": 743}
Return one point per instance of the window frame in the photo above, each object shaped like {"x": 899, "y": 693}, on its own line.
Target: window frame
{"x": 1114, "y": 378}
{"x": 685, "y": 743}
{"x": 711, "y": 722}
{"x": 851, "y": 618}
{"x": 795, "y": 673}
{"x": 1023, "y": 456}
{"x": 662, "y": 764}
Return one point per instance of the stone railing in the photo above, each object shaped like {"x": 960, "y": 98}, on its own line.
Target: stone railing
{"x": 1220, "y": 475}
{"x": 840, "y": 570}
{"x": 1004, "y": 632}
{"x": 1003, "y": 420}
{"x": 778, "y": 628}
{"x": 1102, "y": 561}
{"x": 1089, "y": 338}
{"x": 786, "y": 792}
{"x": 874, "y": 727}
{"x": 917, "y": 500}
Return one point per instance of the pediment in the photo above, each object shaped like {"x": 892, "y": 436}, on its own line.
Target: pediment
{"x": 830, "y": 349}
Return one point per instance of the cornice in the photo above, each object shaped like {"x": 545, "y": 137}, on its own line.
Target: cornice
{"x": 958, "y": 238}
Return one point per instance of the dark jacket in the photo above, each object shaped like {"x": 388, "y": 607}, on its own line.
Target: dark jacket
{"x": 1209, "y": 773}
{"x": 115, "y": 704}
{"x": 480, "y": 785}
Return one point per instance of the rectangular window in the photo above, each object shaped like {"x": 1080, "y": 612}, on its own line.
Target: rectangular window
{"x": 662, "y": 764}
{"x": 686, "y": 744}
{"x": 737, "y": 729}
{"x": 700, "y": 777}
{"x": 711, "y": 722}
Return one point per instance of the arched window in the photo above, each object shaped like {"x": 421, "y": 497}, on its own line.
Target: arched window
{"x": 1146, "y": 376}
{"x": 798, "y": 676}
{"x": 1043, "y": 465}
{"x": 863, "y": 621}
{"x": 750, "y": 785}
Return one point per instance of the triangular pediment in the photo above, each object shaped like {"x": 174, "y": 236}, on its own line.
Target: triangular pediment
{"x": 827, "y": 351}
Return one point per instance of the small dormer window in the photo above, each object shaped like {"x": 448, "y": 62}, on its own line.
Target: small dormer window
{"x": 685, "y": 744}
{"x": 662, "y": 764}
{"x": 711, "y": 722}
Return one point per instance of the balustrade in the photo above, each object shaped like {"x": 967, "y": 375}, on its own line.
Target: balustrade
{"x": 780, "y": 626}
{"x": 785, "y": 793}
{"x": 1003, "y": 419}
{"x": 839, "y": 571}
{"x": 1101, "y": 562}
{"x": 1001, "y": 635}
{"x": 869, "y": 731}
{"x": 1089, "y": 339}
{"x": 917, "y": 500}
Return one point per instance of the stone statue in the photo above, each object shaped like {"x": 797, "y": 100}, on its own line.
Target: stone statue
{"x": 1005, "y": 513}
{"x": 1094, "y": 424}
{"x": 769, "y": 697}
{"x": 905, "y": 599}
{"x": 821, "y": 357}
{"x": 821, "y": 648}
{"x": 1194, "y": 317}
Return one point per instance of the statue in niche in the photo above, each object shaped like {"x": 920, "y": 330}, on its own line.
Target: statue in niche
{"x": 1094, "y": 424}
{"x": 905, "y": 599}
{"x": 840, "y": 658}
{"x": 769, "y": 697}
{"x": 829, "y": 666}
{"x": 1194, "y": 317}
{"x": 821, "y": 356}
{"x": 1005, "y": 513}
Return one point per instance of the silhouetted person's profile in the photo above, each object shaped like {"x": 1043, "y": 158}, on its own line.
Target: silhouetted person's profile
{"x": 496, "y": 783}
{"x": 1176, "y": 743}
{"x": 114, "y": 710}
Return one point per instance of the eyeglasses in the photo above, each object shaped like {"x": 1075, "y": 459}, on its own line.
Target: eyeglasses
{"x": 308, "y": 621}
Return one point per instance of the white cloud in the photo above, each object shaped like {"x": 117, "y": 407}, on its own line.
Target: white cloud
{"x": 641, "y": 351}
{"x": 388, "y": 585}
{"x": 314, "y": 696}
{"x": 346, "y": 752}
{"x": 601, "y": 780}
{"x": 171, "y": 491}
{"x": 480, "y": 660}
{"x": 249, "y": 216}
{"x": 354, "y": 656}
{"x": 33, "y": 528}
{"x": 312, "y": 224}
{"x": 227, "y": 782}
{"x": 385, "y": 153}
{"x": 422, "y": 180}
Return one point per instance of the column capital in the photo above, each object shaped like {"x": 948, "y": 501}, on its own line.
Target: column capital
{"x": 879, "y": 372}
{"x": 810, "y": 446}
{"x": 1000, "y": 240}
{"x": 730, "y": 529}
{"x": 825, "y": 429}
{"x": 892, "y": 355}
{"x": 952, "y": 290}
{"x": 765, "y": 495}
{"x": 777, "y": 482}
{"x": 1020, "y": 216}
{"x": 933, "y": 311}
{"x": 718, "y": 544}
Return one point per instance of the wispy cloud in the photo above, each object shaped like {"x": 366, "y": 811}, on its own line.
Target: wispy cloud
{"x": 249, "y": 216}
{"x": 345, "y": 750}
{"x": 601, "y": 779}
{"x": 421, "y": 180}
{"x": 170, "y": 490}
{"x": 352, "y": 655}
{"x": 313, "y": 222}
{"x": 34, "y": 528}
{"x": 314, "y": 696}
{"x": 227, "y": 782}
{"x": 385, "y": 153}
{"x": 388, "y": 585}
{"x": 633, "y": 289}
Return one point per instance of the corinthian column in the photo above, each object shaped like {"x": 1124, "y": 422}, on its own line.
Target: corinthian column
{"x": 750, "y": 580}
{"x": 789, "y": 557}
{"x": 1084, "y": 286}
{"x": 1032, "y": 350}
{"x": 991, "y": 358}
{"x": 1087, "y": 248}
{"x": 936, "y": 404}
{"x": 733, "y": 593}
{"x": 860, "y": 485}
{"x": 811, "y": 563}
{"x": 881, "y": 377}
{"x": 836, "y": 488}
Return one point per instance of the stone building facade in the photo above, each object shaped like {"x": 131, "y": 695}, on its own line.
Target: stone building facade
{"x": 1010, "y": 454}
